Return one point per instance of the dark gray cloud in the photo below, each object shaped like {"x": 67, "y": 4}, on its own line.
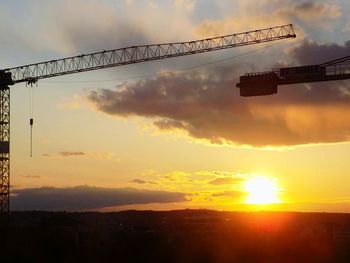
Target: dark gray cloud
{"x": 307, "y": 10}
{"x": 141, "y": 181}
{"x": 69, "y": 154}
{"x": 314, "y": 13}
{"x": 138, "y": 181}
{"x": 310, "y": 52}
{"x": 307, "y": 6}
{"x": 87, "y": 198}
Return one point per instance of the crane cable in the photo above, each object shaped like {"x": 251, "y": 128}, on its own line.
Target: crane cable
{"x": 31, "y": 121}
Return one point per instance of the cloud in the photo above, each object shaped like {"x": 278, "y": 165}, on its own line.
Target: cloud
{"x": 31, "y": 176}
{"x": 267, "y": 13}
{"x": 205, "y": 104}
{"x": 186, "y": 5}
{"x": 83, "y": 26}
{"x": 230, "y": 194}
{"x": 83, "y": 198}
{"x": 92, "y": 155}
{"x": 310, "y": 52}
{"x": 311, "y": 10}
{"x": 138, "y": 181}
{"x": 225, "y": 180}
{"x": 87, "y": 26}
{"x": 69, "y": 154}
{"x": 219, "y": 197}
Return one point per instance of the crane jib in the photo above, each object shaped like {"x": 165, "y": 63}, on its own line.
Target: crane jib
{"x": 137, "y": 54}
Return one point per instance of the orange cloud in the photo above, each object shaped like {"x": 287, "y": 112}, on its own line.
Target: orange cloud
{"x": 205, "y": 105}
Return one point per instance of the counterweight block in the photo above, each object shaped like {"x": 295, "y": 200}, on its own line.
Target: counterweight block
{"x": 259, "y": 84}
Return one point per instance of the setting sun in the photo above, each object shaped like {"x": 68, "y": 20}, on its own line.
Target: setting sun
{"x": 262, "y": 190}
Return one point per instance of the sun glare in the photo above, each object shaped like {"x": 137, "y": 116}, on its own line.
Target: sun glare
{"x": 262, "y": 190}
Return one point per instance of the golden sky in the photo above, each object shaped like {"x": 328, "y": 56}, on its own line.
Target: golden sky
{"x": 183, "y": 139}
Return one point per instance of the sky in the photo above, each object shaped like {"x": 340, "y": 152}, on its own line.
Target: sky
{"x": 175, "y": 133}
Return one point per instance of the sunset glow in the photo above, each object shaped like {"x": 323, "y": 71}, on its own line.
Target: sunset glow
{"x": 262, "y": 190}
{"x": 175, "y": 133}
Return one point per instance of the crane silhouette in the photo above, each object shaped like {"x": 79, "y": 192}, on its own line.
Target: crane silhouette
{"x": 106, "y": 59}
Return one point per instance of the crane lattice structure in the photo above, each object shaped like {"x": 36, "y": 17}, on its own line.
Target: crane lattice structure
{"x": 111, "y": 58}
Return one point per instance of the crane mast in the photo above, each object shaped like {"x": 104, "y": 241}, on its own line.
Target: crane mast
{"x": 31, "y": 73}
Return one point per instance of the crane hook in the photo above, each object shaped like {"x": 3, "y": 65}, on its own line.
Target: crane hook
{"x": 31, "y": 136}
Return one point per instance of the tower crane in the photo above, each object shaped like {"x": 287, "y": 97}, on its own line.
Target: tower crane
{"x": 266, "y": 83}
{"x": 106, "y": 59}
